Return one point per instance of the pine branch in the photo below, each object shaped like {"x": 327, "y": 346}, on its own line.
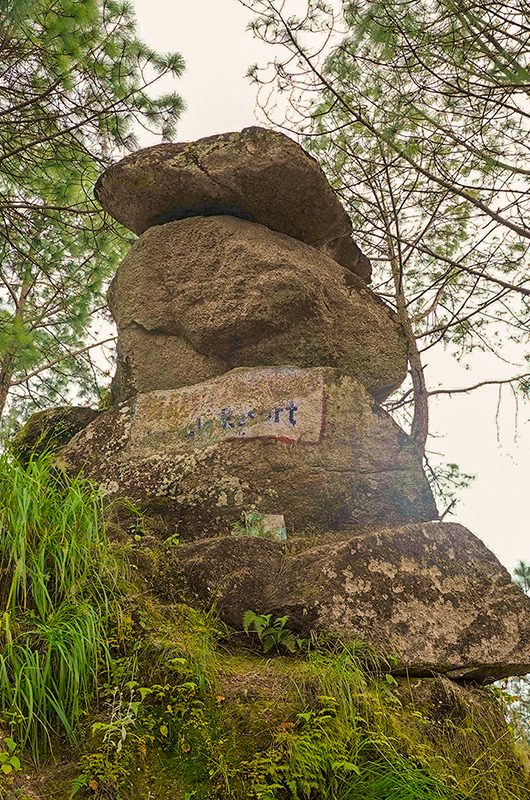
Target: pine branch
{"x": 63, "y": 357}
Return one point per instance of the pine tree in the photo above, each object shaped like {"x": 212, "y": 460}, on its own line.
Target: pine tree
{"x": 418, "y": 112}
{"x": 75, "y": 85}
{"x": 522, "y": 575}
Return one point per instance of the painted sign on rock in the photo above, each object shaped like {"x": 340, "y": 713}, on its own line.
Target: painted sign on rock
{"x": 283, "y": 403}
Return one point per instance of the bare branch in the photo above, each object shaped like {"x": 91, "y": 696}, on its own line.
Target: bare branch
{"x": 480, "y": 384}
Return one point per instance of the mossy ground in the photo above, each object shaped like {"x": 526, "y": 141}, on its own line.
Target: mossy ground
{"x": 196, "y": 712}
{"x": 192, "y": 709}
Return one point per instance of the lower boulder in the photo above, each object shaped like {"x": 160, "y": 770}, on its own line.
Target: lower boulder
{"x": 310, "y": 444}
{"x": 431, "y": 595}
{"x": 51, "y": 429}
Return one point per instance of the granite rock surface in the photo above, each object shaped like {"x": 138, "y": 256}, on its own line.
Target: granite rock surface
{"x": 431, "y": 595}
{"x": 195, "y": 298}
{"x": 257, "y": 174}
{"x": 310, "y": 444}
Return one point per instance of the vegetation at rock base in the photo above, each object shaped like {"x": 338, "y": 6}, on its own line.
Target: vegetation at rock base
{"x": 58, "y": 601}
{"x": 272, "y": 632}
{"x": 76, "y": 83}
{"x": 110, "y": 694}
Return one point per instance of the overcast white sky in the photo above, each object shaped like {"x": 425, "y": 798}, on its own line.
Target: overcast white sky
{"x": 212, "y": 36}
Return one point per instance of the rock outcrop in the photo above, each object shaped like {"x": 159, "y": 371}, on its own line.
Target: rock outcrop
{"x": 430, "y": 594}
{"x": 307, "y": 443}
{"x": 211, "y": 293}
{"x": 51, "y": 429}
{"x": 257, "y": 174}
{"x": 251, "y": 360}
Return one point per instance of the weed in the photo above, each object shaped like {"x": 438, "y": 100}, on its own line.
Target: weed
{"x": 173, "y": 540}
{"x": 250, "y": 525}
{"x": 272, "y": 632}
{"x": 171, "y": 717}
{"x": 104, "y": 777}
{"x": 255, "y": 525}
{"x": 9, "y": 761}
{"x": 106, "y": 771}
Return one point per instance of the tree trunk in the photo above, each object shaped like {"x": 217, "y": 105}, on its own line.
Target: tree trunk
{"x": 6, "y": 374}
{"x": 420, "y": 422}
{"x": 8, "y": 362}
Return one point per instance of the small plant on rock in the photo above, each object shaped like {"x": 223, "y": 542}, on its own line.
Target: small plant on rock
{"x": 272, "y": 632}
{"x": 9, "y": 761}
{"x": 173, "y": 540}
{"x": 251, "y": 525}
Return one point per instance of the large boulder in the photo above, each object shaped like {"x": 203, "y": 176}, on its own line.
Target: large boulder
{"x": 260, "y": 175}
{"x": 151, "y": 360}
{"x": 432, "y": 595}
{"x": 50, "y": 429}
{"x": 194, "y": 298}
{"x": 307, "y": 443}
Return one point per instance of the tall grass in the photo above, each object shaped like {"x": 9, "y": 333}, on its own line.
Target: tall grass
{"x": 57, "y": 589}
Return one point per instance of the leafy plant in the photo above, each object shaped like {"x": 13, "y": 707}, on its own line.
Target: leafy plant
{"x": 173, "y": 540}
{"x": 105, "y": 772}
{"x": 272, "y": 632}
{"x": 9, "y": 760}
{"x": 104, "y": 777}
{"x": 251, "y": 525}
{"x": 254, "y": 526}
{"x": 122, "y": 719}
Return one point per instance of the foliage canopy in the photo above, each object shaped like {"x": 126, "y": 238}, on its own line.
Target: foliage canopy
{"x": 75, "y": 85}
{"x": 418, "y": 112}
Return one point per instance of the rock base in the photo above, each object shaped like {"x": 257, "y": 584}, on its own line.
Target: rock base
{"x": 432, "y": 595}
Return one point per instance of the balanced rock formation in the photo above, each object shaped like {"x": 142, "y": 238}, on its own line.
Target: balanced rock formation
{"x": 256, "y": 174}
{"x": 308, "y": 443}
{"x": 431, "y": 595}
{"x": 250, "y": 361}
{"x": 211, "y": 293}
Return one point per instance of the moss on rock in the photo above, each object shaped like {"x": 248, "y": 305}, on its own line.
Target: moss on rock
{"x": 195, "y": 709}
{"x": 206, "y": 715}
{"x": 51, "y": 429}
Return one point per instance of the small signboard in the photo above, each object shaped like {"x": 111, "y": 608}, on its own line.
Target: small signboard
{"x": 280, "y": 402}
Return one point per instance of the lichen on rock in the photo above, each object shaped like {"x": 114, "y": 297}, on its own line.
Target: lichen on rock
{"x": 431, "y": 595}
{"x": 306, "y": 443}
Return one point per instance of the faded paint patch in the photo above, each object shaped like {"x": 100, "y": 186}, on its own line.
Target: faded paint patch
{"x": 285, "y": 404}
